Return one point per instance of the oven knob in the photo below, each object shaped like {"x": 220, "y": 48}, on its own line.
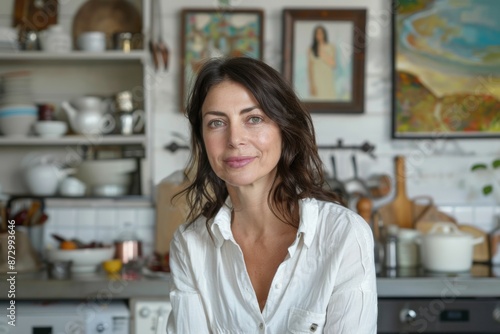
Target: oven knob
{"x": 407, "y": 316}
{"x": 496, "y": 314}
{"x": 100, "y": 328}
{"x": 144, "y": 312}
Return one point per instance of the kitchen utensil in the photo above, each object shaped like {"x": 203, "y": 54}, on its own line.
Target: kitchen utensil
{"x": 72, "y": 187}
{"x": 92, "y": 41}
{"x": 84, "y": 260}
{"x": 127, "y": 41}
{"x": 400, "y": 210}
{"x": 50, "y": 129}
{"x": 364, "y": 208}
{"x": 87, "y": 115}
{"x": 106, "y": 171}
{"x": 17, "y": 119}
{"x": 379, "y": 185}
{"x": 59, "y": 269}
{"x": 128, "y": 250}
{"x": 482, "y": 250}
{"x": 158, "y": 49}
{"x": 447, "y": 249}
{"x": 55, "y": 40}
{"x": 43, "y": 177}
{"x": 129, "y": 123}
{"x": 408, "y": 252}
{"x": 109, "y": 17}
{"x": 356, "y": 185}
{"x": 334, "y": 183}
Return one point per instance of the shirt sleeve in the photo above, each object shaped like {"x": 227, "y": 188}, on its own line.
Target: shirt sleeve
{"x": 188, "y": 314}
{"x": 353, "y": 304}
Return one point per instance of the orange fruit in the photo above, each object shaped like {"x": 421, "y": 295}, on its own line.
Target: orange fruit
{"x": 67, "y": 245}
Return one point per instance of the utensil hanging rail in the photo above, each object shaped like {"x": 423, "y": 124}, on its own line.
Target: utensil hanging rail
{"x": 365, "y": 147}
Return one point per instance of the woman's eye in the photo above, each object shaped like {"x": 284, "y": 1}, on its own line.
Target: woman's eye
{"x": 215, "y": 123}
{"x": 255, "y": 120}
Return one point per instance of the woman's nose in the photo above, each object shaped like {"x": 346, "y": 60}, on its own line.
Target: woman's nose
{"x": 236, "y": 135}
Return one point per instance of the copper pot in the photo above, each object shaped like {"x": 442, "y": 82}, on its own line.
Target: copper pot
{"x": 128, "y": 250}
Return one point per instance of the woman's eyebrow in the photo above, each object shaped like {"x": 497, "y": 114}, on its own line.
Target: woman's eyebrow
{"x": 220, "y": 113}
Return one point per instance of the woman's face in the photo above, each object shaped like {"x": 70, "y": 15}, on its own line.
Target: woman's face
{"x": 243, "y": 144}
{"x": 320, "y": 36}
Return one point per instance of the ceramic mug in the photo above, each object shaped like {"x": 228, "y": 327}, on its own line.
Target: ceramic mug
{"x": 92, "y": 41}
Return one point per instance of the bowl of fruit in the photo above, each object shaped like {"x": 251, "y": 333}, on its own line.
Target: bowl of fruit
{"x": 86, "y": 257}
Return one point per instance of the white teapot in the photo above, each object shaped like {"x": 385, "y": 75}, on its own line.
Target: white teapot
{"x": 43, "y": 175}
{"x": 87, "y": 115}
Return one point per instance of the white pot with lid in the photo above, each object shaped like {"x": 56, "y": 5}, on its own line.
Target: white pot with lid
{"x": 447, "y": 249}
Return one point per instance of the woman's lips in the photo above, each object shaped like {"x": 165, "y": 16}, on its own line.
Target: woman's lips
{"x": 238, "y": 162}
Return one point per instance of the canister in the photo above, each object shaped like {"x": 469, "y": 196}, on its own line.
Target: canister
{"x": 408, "y": 253}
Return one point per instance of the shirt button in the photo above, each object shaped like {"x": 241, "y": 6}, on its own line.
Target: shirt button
{"x": 277, "y": 285}
{"x": 261, "y": 326}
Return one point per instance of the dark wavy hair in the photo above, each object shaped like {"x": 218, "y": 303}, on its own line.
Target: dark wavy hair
{"x": 314, "y": 45}
{"x": 299, "y": 170}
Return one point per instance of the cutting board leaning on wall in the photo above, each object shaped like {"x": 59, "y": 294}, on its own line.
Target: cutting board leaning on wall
{"x": 170, "y": 212}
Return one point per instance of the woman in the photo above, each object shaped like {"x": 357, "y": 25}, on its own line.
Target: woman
{"x": 266, "y": 248}
{"x": 321, "y": 57}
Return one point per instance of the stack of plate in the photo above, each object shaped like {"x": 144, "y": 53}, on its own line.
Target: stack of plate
{"x": 15, "y": 88}
{"x": 8, "y": 39}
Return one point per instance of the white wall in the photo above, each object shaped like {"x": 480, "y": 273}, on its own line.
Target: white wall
{"x": 437, "y": 168}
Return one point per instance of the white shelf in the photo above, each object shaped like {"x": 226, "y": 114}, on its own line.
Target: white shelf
{"x": 73, "y": 140}
{"x": 110, "y": 55}
{"x": 97, "y": 202}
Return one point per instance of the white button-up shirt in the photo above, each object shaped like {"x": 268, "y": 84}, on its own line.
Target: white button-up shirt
{"x": 326, "y": 284}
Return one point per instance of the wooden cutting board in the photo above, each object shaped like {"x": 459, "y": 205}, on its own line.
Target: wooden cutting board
{"x": 400, "y": 211}
{"x": 108, "y": 16}
{"x": 481, "y": 250}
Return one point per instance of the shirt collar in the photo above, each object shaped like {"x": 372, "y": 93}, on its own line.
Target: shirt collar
{"x": 221, "y": 226}
{"x": 308, "y": 208}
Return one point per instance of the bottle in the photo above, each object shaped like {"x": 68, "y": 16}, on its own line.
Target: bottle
{"x": 391, "y": 252}
{"x": 495, "y": 244}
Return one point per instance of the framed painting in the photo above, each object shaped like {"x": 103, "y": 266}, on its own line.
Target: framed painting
{"x": 446, "y": 69}
{"x": 208, "y": 33}
{"x": 324, "y": 58}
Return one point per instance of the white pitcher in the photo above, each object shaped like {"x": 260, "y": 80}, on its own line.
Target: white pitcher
{"x": 87, "y": 115}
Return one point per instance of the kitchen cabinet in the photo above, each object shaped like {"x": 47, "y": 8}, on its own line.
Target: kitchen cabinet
{"x": 58, "y": 77}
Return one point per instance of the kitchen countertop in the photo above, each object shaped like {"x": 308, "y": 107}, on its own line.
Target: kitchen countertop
{"x": 481, "y": 281}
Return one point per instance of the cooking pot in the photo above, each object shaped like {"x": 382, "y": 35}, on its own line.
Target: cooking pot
{"x": 447, "y": 249}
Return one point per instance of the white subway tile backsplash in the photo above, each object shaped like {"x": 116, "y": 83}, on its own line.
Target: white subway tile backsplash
{"x": 483, "y": 214}
{"x": 464, "y": 215}
{"x": 86, "y": 217}
{"x": 66, "y": 218}
{"x": 106, "y": 218}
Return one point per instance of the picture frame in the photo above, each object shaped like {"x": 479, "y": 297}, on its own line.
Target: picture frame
{"x": 207, "y": 33}
{"x": 446, "y": 79}
{"x": 328, "y": 76}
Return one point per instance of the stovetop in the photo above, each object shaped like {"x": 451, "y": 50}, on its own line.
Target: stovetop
{"x": 477, "y": 271}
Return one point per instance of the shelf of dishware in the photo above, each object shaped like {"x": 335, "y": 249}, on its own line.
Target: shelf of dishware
{"x": 110, "y": 55}
{"x": 73, "y": 140}
{"x": 98, "y": 202}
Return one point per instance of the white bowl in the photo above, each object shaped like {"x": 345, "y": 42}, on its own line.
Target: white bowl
{"x": 92, "y": 41}
{"x": 50, "y": 129}
{"x": 105, "y": 172}
{"x": 16, "y": 124}
{"x": 84, "y": 260}
{"x": 14, "y": 108}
